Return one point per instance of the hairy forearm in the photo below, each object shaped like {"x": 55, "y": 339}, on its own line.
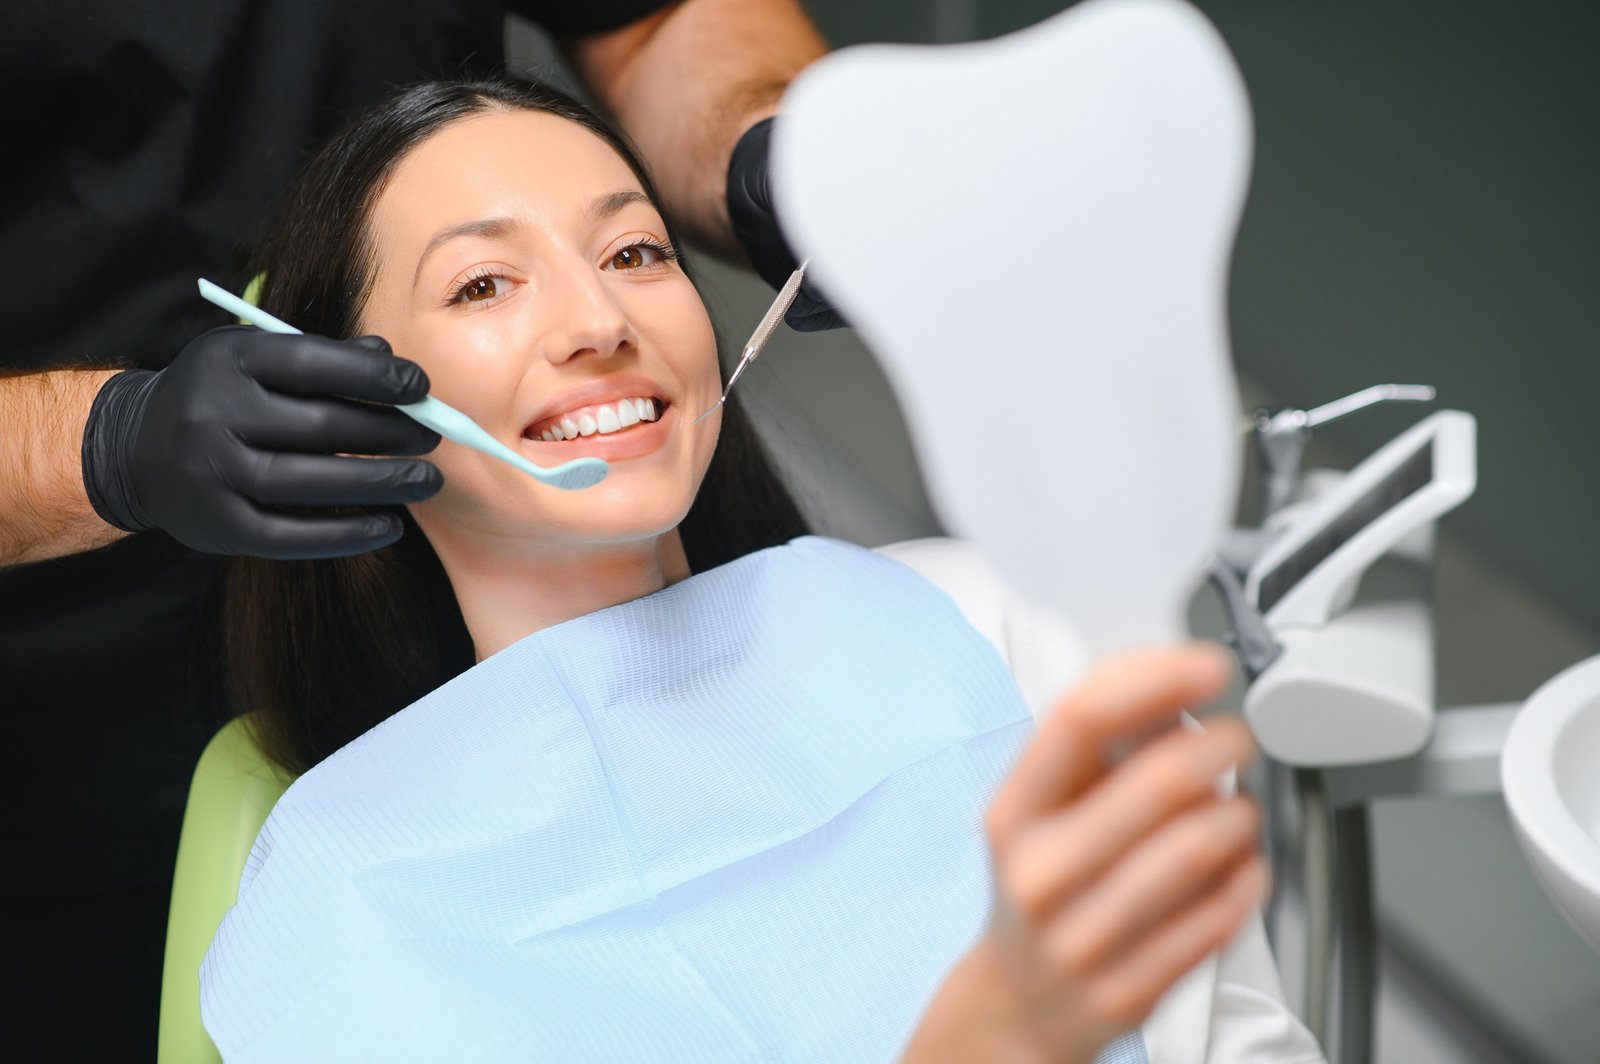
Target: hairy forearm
{"x": 685, "y": 86}
{"x": 44, "y": 511}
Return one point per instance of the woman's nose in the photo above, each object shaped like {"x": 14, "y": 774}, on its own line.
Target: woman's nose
{"x": 586, "y": 317}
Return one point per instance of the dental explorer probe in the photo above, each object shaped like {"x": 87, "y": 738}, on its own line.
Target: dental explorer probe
{"x": 758, "y": 339}
{"x": 439, "y": 416}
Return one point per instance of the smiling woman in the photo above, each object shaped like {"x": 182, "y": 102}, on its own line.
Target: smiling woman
{"x": 641, "y": 772}
{"x": 504, "y": 238}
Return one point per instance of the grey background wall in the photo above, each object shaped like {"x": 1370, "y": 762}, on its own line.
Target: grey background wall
{"x": 1425, "y": 207}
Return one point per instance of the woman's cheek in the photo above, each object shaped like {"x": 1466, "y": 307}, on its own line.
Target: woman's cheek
{"x": 478, "y": 492}
{"x": 456, "y": 365}
{"x": 484, "y": 343}
{"x": 674, "y": 315}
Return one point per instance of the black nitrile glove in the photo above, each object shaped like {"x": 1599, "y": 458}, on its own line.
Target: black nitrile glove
{"x": 750, "y": 208}
{"x": 244, "y": 422}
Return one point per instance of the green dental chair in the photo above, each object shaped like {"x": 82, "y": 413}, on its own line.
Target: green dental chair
{"x": 233, "y": 790}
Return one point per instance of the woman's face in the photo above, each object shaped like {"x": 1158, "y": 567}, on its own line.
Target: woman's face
{"x": 520, "y": 264}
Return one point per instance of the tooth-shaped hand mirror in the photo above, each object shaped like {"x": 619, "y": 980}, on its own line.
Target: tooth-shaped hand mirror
{"x": 1033, "y": 234}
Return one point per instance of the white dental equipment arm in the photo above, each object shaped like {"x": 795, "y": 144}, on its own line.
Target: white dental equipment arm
{"x": 1342, "y": 696}
{"x": 1352, "y": 686}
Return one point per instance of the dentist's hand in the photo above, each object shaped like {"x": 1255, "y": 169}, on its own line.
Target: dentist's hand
{"x": 244, "y": 422}
{"x": 1110, "y": 884}
{"x": 756, "y": 227}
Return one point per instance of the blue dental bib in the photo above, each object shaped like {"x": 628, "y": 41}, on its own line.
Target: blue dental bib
{"x": 735, "y": 820}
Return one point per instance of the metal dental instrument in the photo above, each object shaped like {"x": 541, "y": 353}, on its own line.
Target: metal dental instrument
{"x": 758, "y": 339}
{"x": 1281, "y": 436}
{"x": 442, "y": 418}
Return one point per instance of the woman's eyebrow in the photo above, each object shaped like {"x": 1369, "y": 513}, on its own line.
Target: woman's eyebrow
{"x": 491, "y": 228}
{"x": 612, "y": 202}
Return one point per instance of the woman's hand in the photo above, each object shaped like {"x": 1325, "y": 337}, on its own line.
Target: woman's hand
{"x": 1110, "y": 882}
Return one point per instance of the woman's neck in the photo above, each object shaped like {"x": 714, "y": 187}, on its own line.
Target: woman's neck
{"x": 508, "y": 591}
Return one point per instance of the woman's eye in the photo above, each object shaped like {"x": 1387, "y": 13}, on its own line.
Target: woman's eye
{"x": 636, "y": 256}
{"x": 482, "y": 288}
{"x": 479, "y": 289}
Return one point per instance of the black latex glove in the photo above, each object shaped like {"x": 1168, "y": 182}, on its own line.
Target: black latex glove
{"x": 750, "y": 208}
{"x": 245, "y": 421}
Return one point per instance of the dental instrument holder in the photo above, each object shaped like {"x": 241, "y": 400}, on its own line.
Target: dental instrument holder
{"x": 1355, "y": 686}
{"x": 1347, "y": 707}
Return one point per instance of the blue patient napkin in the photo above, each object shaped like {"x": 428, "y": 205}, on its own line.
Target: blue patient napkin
{"x": 735, "y": 820}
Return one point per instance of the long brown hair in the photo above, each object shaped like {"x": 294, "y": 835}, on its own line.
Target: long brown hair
{"x": 322, "y": 650}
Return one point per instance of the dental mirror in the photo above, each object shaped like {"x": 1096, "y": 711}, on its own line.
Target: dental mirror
{"x": 1032, "y": 234}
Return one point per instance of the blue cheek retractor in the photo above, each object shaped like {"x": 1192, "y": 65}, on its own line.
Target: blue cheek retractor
{"x": 442, "y": 418}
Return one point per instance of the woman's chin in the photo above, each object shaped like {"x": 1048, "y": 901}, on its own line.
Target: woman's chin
{"x": 589, "y": 517}
{"x": 514, "y": 524}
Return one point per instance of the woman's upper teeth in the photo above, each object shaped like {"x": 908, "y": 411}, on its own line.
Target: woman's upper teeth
{"x": 603, "y": 419}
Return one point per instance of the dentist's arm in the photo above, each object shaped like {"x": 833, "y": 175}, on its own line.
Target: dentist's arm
{"x": 686, "y": 82}
{"x": 693, "y": 87}
{"x": 44, "y": 512}
{"x": 243, "y": 445}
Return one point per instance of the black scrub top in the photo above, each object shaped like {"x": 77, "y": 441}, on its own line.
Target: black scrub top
{"x": 145, "y": 145}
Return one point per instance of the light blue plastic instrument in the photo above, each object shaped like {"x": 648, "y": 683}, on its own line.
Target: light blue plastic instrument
{"x": 442, "y": 418}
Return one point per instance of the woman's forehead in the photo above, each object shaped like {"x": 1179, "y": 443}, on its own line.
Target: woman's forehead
{"x": 508, "y": 162}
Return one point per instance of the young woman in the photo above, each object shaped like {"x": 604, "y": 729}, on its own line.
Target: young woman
{"x": 633, "y": 772}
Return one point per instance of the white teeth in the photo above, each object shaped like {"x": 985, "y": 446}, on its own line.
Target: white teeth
{"x": 606, "y": 419}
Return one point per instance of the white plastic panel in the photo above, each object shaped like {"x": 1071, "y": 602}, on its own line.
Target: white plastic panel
{"x": 1311, "y": 571}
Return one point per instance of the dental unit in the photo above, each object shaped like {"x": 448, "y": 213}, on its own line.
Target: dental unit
{"x": 452, "y": 424}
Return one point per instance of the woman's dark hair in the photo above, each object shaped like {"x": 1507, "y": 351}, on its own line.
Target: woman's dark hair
{"x": 322, "y": 650}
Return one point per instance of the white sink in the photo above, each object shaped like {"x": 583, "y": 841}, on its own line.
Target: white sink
{"x": 1550, "y": 771}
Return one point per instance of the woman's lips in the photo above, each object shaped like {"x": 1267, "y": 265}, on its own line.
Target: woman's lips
{"x": 638, "y": 440}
